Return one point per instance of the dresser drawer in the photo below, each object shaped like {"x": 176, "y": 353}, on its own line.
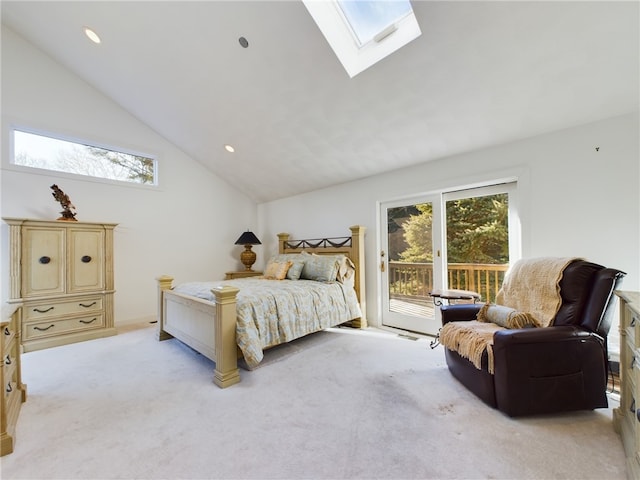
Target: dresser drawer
{"x": 10, "y": 354}
{"x": 13, "y": 401}
{"x": 10, "y": 371}
{"x": 49, "y": 328}
{"x": 42, "y": 310}
{"x": 8, "y": 335}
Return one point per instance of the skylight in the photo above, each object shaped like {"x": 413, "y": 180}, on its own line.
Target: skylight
{"x": 371, "y": 19}
{"x": 362, "y": 32}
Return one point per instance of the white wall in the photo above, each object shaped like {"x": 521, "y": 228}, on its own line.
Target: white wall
{"x": 574, "y": 200}
{"x": 187, "y": 227}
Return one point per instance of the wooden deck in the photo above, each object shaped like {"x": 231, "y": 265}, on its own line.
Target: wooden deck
{"x": 417, "y": 306}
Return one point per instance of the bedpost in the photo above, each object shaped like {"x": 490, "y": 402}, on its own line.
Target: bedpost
{"x": 165, "y": 282}
{"x": 226, "y": 372}
{"x": 283, "y": 238}
{"x": 357, "y": 247}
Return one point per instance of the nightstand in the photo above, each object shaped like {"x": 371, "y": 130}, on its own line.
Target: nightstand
{"x": 242, "y": 274}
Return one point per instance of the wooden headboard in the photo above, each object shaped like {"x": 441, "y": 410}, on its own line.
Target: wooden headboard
{"x": 352, "y": 247}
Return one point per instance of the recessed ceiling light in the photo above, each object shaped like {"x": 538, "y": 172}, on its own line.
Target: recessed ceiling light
{"x": 93, "y": 36}
{"x": 229, "y": 148}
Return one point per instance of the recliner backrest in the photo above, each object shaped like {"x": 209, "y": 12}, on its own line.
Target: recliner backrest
{"x": 587, "y": 296}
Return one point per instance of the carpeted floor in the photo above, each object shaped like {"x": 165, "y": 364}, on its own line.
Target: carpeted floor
{"x": 338, "y": 404}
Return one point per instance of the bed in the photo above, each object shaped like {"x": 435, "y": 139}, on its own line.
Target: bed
{"x": 211, "y": 317}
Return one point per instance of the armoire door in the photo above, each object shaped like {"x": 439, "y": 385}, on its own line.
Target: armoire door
{"x": 86, "y": 264}
{"x": 44, "y": 253}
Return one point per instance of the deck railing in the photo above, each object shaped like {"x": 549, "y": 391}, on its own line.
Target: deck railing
{"x": 416, "y": 279}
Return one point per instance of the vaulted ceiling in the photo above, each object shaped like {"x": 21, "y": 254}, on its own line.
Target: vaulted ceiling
{"x": 481, "y": 73}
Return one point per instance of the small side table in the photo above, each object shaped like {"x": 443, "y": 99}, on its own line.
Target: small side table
{"x": 440, "y": 296}
{"x": 448, "y": 295}
{"x": 242, "y": 274}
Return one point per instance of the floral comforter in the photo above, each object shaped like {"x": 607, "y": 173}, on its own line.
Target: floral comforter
{"x": 271, "y": 312}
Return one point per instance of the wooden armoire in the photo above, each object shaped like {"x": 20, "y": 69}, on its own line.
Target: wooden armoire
{"x": 62, "y": 273}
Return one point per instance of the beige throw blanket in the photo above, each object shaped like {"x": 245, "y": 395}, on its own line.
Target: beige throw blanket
{"x": 531, "y": 286}
{"x": 470, "y": 340}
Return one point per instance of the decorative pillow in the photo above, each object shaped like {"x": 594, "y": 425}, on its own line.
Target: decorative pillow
{"x": 295, "y": 270}
{"x": 506, "y": 317}
{"x": 277, "y": 270}
{"x": 346, "y": 268}
{"x": 297, "y": 260}
{"x": 320, "y": 268}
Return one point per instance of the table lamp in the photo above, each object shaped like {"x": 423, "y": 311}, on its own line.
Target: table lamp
{"x": 248, "y": 256}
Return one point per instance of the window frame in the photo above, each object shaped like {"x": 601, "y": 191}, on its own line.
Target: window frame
{"x": 11, "y": 165}
{"x": 354, "y": 28}
{"x": 331, "y": 21}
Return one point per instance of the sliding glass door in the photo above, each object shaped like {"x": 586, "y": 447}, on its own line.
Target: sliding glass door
{"x": 454, "y": 240}
{"x": 409, "y": 270}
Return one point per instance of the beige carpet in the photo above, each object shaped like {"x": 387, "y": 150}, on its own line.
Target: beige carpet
{"x": 338, "y": 404}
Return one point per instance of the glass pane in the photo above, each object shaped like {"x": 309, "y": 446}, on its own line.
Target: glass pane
{"x": 410, "y": 259}
{"x": 478, "y": 243}
{"x": 368, "y": 18}
{"x": 39, "y": 151}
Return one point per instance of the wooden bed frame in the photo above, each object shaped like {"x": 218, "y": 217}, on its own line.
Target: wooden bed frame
{"x": 210, "y": 327}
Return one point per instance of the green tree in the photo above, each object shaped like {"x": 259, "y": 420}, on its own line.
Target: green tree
{"x": 417, "y": 234}
{"x": 477, "y": 231}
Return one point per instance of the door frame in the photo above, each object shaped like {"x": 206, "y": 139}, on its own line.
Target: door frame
{"x": 510, "y": 185}
{"x": 423, "y": 325}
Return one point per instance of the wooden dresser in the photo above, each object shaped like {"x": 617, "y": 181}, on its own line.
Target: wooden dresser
{"x": 62, "y": 273}
{"x": 626, "y": 418}
{"x": 14, "y": 391}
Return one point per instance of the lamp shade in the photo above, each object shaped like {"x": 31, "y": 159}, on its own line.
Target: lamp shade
{"x": 248, "y": 238}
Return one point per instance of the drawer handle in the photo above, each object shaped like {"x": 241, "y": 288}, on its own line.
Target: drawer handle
{"x": 85, "y": 259}
{"x": 44, "y": 329}
{"x": 43, "y": 311}
{"x": 633, "y": 361}
{"x": 633, "y": 322}
{"x": 44, "y": 260}
{"x": 87, "y": 306}
{"x": 7, "y": 360}
{"x": 87, "y": 322}
{"x": 6, "y": 331}
{"x": 9, "y": 388}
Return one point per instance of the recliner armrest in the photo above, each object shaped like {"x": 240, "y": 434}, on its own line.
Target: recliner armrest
{"x": 504, "y": 338}
{"x": 462, "y": 312}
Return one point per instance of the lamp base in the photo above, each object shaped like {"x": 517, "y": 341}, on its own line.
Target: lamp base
{"x": 248, "y": 258}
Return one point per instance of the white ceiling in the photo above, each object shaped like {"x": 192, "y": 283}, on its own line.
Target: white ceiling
{"x": 481, "y": 73}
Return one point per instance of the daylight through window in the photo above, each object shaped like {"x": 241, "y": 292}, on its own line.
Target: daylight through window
{"x": 39, "y": 151}
{"x": 363, "y": 32}
{"x": 368, "y": 19}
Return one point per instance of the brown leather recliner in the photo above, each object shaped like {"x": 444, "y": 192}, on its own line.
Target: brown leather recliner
{"x": 558, "y": 368}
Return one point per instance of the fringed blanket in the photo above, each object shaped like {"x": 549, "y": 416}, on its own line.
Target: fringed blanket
{"x": 531, "y": 288}
{"x": 470, "y": 340}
